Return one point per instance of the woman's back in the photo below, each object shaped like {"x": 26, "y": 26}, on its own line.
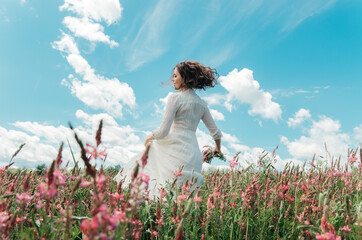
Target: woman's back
{"x": 190, "y": 111}
{"x": 183, "y": 113}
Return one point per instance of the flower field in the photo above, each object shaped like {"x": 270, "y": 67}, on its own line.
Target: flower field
{"x": 315, "y": 201}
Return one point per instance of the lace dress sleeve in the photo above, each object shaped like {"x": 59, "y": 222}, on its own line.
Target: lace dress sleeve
{"x": 210, "y": 124}
{"x": 170, "y": 112}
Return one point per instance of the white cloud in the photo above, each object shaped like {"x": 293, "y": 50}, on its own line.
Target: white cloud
{"x": 66, "y": 44}
{"x": 243, "y": 88}
{"x": 218, "y": 116}
{"x": 325, "y": 130}
{"x": 98, "y": 10}
{"x": 160, "y": 108}
{"x": 299, "y": 117}
{"x": 42, "y": 140}
{"x": 85, "y": 28}
{"x": 33, "y": 153}
{"x": 50, "y": 134}
{"x": 22, "y": 2}
{"x": 215, "y": 99}
{"x": 150, "y": 42}
{"x": 358, "y": 133}
{"x": 206, "y": 167}
{"x": 95, "y": 90}
{"x": 90, "y": 12}
{"x": 121, "y": 142}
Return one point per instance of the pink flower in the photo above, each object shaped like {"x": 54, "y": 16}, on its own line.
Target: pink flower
{"x": 23, "y": 198}
{"x": 327, "y": 236}
{"x": 155, "y": 233}
{"x": 197, "y": 199}
{"x": 352, "y": 159}
{"x": 60, "y": 177}
{"x": 94, "y": 224}
{"x": 85, "y": 183}
{"x": 85, "y": 225}
{"x": 42, "y": 189}
{"x": 289, "y": 199}
{"x": 232, "y": 164}
{"x": 94, "y": 153}
{"x": 210, "y": 204}
{"x": 4, "y": 217}
{"x": 100, "y": 180}
{"x": 346, "y": 229}
{"x": 103, "y": 236}
{"x": 177, "y": 173}
{"x": 181, "y": 197}
{"x": 162, "y": 193}
{"x": 144, "y": 177}
{"x": 52, "y": 191}
{"x": 300, "y": 218}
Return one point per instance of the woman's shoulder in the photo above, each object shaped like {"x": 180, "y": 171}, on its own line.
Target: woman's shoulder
{"x": 187, "y": 96}
{"x": 173, "y": 97}
{"x": 200, "y": 101}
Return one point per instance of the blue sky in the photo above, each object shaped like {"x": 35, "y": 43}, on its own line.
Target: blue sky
{"x": 290, "y": 74}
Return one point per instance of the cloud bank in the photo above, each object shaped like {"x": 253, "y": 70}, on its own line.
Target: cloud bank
{"x": 243, "y": 89}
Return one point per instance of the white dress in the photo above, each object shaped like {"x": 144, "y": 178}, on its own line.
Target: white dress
{"x": 176, "y": 144}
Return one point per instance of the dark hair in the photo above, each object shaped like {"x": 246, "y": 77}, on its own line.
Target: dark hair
{"x": 196, "y": 75}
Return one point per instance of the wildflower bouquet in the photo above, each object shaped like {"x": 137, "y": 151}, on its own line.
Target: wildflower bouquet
{"x": 208, "y": 154}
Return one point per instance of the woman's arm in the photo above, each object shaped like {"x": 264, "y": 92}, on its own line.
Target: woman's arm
{"x": 213, "y": 129}
{"x": 162, "y": 131}
{"x": 217, "y": 148}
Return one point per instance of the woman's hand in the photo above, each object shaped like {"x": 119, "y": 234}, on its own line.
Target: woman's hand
{"x": 217, "y": 147}
{"x": 216, "y": 150}
{"x": 149, "y": 139}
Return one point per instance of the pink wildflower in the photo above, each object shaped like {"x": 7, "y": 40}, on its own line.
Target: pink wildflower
{"x": 197, "y": 199}
{"x": 52, "y": 191}
{"x": 162, "y": 193}
{"x": 155, "y": 233}
{"x": 300, "y": 218}
{"x": 352, "y": 159}
{"x": 23, "y": 198}
{"x": 85, "y": 183}
{"x": 232, "y": 164}
{"x": 103, "y": 236}
{"x": 346, "y": 229}
{"x": 144, "y": 177}
{"x": 85, "y": 225}
{"x": 94, "y": 224}
{"x": 100, "y": 179}
{"x": 210, "y": 204}
{"x": 327, "y": 236}
{"x": 4, "y": 217}
{"x": 60, "y": 177}
{"x": 177, "y": 173}
{"x": 42, "y": 189}
{"x": 181, "y": 197}
{"x": 94, "y": 153}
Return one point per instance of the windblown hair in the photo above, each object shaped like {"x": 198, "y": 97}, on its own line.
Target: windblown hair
{"x": 196, "y": 75}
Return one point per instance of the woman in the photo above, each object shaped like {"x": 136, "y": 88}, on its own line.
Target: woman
{"x": 176, "y": 144}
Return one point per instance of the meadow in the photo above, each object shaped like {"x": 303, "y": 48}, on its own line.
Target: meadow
{"x": 318, "y": 200}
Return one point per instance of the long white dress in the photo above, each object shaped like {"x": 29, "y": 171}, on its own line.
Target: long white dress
{"x": 176, "y": 144}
